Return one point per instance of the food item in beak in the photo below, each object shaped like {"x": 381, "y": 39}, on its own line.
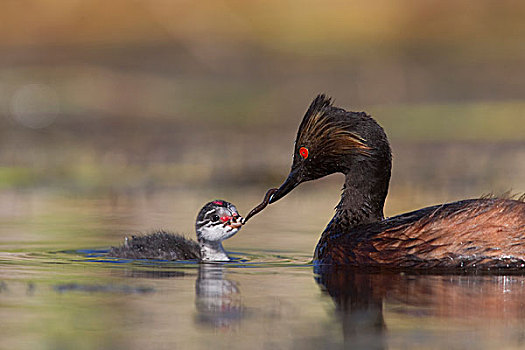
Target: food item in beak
{"x": 261, "y": 206}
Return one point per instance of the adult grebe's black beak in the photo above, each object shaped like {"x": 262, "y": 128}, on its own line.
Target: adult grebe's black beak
{"x": 294, "y": 179}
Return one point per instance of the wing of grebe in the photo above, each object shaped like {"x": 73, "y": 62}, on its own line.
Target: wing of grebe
{"x": 469, "y": 232}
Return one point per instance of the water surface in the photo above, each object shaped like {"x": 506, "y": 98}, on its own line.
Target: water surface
{"x": 59, "y": 290}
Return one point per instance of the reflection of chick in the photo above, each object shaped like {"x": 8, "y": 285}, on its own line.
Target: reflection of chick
{"x": 218, "y": 300}
{"x": 217, "y": 220}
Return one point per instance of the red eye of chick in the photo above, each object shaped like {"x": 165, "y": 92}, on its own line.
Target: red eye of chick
{"x": 225, "y": 218}
{"x": 303, "y": 151}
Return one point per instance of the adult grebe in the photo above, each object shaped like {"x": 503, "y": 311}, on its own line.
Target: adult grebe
{"x": 481, "y": 233}
{"x": 217, "y": 220}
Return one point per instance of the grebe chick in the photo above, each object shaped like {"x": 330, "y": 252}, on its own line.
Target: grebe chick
{"x": 217, "y": 220}
{"x": 480, "y": 233}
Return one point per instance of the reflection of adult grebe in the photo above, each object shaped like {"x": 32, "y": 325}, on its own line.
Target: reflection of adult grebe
{"x": 481, "y": 233}
{"x": 361, "y": 298}
{"x": 359, "y": 305}
{"x": 217, "y": 220}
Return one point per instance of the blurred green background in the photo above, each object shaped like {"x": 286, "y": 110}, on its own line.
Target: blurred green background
{"x": 152, "y": 95}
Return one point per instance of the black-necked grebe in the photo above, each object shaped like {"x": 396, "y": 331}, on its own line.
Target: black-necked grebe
{"x": 217, "y": 220}
{"x": 481, "y": 233}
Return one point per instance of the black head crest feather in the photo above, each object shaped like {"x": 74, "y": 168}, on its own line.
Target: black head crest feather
{"x": 323, "y": 134}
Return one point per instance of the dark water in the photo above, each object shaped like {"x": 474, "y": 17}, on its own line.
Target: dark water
{"x": 59, "y": 291}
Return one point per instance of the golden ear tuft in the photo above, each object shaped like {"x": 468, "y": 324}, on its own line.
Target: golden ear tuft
{"x": 328, "y": 136}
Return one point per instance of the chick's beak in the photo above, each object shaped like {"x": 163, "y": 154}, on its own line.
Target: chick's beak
{"x": 234, "y": 221}
{"x": 235, "y": 225}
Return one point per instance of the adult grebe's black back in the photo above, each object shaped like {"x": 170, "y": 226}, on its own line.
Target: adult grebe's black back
{"x": 217, "y": 220}
{"x": 482, "y": 233}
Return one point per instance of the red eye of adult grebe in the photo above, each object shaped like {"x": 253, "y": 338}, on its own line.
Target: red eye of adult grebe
{"x": 303, "y": 151}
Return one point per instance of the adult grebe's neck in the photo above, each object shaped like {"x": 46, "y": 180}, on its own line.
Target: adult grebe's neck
{"x": 213, "y": 251}
{"x": 362, "y": 200}
{"x": 364, "y": 191}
